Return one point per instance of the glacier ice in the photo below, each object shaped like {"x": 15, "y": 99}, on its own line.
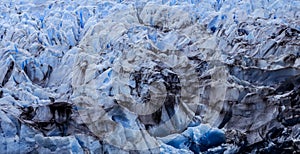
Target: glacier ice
{"x": 149, "y": 76}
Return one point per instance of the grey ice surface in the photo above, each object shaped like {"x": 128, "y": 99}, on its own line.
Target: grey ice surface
{"x": 150, "y": 76}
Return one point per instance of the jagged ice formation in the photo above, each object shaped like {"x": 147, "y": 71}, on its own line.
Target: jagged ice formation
{"x": 150, "y": 76}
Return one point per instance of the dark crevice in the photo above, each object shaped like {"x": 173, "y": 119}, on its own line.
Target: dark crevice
{"x": 8, "y": 73}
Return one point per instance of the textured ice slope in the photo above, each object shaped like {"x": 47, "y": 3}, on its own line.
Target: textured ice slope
{"x": 150, "y": 76}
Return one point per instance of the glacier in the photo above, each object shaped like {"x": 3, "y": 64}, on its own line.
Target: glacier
{"x": 150, "y": 76}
